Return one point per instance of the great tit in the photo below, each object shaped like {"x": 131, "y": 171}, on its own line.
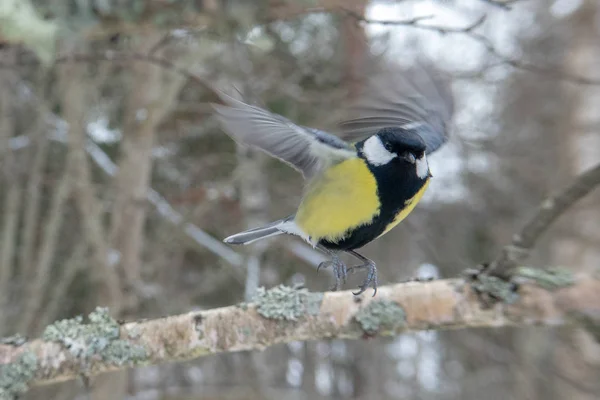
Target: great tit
{"x": 362, "y": 183}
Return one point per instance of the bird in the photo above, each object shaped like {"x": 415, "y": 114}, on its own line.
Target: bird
{"x": 361, "y": 182}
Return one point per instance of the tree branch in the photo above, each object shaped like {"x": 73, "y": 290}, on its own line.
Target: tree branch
{"x": 70, "y": 348}
{"x": 11, "y": 199}
{"x": 105, "y": 163}
{"x": 199, "y": 19}
{"x": 33, "y": 201}
{"x": 36, "y": 287}
{"x": 74, "y": 105}
{"x": 73, "y": 264}
{"x": 552, "y": 208}
{"x": 469, "y": 31}
{"x": 531, "y": 231}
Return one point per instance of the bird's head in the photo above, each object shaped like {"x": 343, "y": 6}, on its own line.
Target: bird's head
{"x": 396, "y": 145}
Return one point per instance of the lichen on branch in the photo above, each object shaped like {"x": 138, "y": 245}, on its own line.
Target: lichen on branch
{"x": 282, "y": 314}
{"x": 97, "y": 339}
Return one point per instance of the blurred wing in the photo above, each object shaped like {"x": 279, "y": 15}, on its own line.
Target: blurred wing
{"x": 418, "y": 98}
{"x": 306, "y": 149}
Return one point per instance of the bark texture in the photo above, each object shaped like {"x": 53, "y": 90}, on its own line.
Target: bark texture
{"x": 70, "y": 348}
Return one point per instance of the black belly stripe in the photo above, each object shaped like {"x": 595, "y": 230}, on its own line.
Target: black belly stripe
{"x": 397, "y": 182}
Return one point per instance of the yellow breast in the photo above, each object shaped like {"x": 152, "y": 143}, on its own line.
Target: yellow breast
{"x": 344, "y": 197}
{"x": 409, "y": 205}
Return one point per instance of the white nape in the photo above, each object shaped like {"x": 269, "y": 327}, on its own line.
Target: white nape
{"x": 422, "y": 167}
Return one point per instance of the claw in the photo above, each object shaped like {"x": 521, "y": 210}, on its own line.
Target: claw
{"x": 362, "y": 289}
{"x": 324, "y": 264}
{"x": 340, "y": 271}
{"x": 371, "y": 279}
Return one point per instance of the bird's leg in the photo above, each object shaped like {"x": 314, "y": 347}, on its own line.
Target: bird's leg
{"x": 371, "y": 274}
{"x": 340, "y": 271}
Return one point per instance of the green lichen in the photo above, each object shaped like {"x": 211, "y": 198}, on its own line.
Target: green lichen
{"x": 381, "y": 316}
{"x": 98, "y": 338}
{"x": 287, "y": 303}
{"x": 121, "y": 352}
{"x": 496, "y": 288}
{"x": 15, "y": 376}
{"x": 549, "y": 278}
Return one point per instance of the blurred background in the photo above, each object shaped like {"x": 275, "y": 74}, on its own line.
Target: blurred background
{"x": 117, "y": 186}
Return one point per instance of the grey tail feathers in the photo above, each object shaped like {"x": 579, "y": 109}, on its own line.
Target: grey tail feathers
{"x": 252, "y": 235}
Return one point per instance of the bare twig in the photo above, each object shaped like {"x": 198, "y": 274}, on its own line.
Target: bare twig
{"x": 31, "y": 217}
{"x": 162, "y": 42}
{"x": 128, "y": 57}
{"x": 12, "y": 206}
{"x": 162, "y": 206}
{"x": 50, "y": 239}
{"x": 469, "y": 31}
{"x": 151, "y": 96}
{"x": 415, "y": 23}
{"x": 74, "y": 106}
{"x": 552, "y": 208}
{"x": 11, "y": 197}
{"x": 73, "y": 264}
{"x": 278, "y": 11}
{"x": 283, "y": 315}
{"x": 124, "y": 57}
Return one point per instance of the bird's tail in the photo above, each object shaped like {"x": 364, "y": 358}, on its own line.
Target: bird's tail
{"x": 252, "y": 235}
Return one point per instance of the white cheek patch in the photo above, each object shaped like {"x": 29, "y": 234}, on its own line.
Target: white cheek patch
{"x": 422, "y": 167}
{"x": 375, "y": 152}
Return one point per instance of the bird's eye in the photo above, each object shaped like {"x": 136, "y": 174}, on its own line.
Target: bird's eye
{"x": 388, "y": 147}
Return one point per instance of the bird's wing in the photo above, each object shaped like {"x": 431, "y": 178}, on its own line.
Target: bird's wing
{"x": 306, "y": 149}
{"x": 418, "y": 98}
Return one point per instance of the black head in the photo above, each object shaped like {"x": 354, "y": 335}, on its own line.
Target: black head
{"x": 402, "y": 142}
{"x": 397, "y": 146}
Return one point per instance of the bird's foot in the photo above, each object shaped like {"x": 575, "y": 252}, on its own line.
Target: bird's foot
{"x": 340, "y": 271}
{"x": 371, "y": 279}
